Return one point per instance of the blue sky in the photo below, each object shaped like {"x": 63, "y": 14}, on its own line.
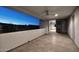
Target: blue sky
{"x": 14, "y": 17}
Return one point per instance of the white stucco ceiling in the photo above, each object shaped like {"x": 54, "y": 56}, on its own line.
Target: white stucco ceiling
{"x": 39, "y": 11}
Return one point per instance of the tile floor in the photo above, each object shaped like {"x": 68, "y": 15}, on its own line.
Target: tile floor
{"x": 53, "y": 42}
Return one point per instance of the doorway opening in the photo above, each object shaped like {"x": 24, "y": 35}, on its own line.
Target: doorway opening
{"x": 52, "y": 26}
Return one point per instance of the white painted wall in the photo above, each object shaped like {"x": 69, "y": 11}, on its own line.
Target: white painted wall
{"x": 73, "y": 28}
{"x": 77, "y": 27}
{"x": 45, "y": 24}
{"x": 11, "y": 40}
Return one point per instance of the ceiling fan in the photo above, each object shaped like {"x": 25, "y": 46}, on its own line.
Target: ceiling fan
{"x": 49, "y": 15}
{"x": 53, "y": 14}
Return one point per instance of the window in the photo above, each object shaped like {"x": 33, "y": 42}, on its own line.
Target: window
{"x": 12, "y": 20}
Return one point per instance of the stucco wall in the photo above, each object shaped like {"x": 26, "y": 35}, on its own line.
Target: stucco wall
{"x": 11, "y": 40}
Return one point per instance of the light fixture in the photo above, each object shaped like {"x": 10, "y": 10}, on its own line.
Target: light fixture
{"x": 56, "y": 15}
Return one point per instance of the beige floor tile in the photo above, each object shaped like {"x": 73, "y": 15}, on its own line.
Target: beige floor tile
{"x": 53, "y": 42}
